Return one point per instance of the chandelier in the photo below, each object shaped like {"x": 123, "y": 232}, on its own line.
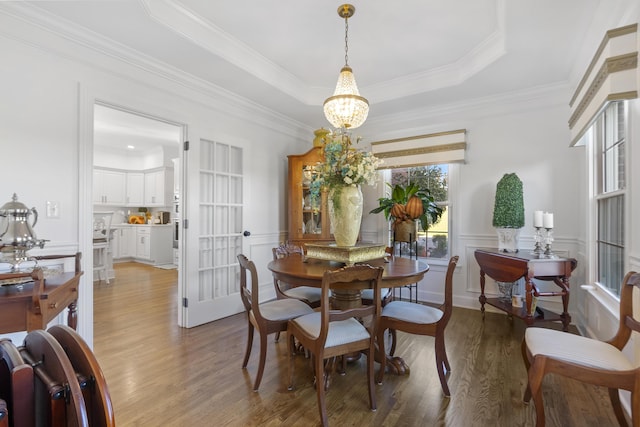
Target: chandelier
{"x": 346, "y": 108}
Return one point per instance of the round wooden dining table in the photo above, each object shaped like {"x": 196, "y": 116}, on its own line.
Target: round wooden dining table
{"x": 300, "y": 271}
{"x": 308, "y": 272}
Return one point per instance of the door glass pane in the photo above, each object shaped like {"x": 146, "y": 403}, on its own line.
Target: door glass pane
{"x": 235, "y": 160}
{"x": 222, "y": 158}
{"x": 220, "y": 207}
{"x": 222, "y": 188}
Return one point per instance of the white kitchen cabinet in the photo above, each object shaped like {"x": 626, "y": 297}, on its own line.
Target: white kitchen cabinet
{"x": 135, "y": 188}
{"x": 143, "y": 242}
{"x": 158, "y": 187}
{"x": 123, "y": 242}
{"x": 126, "y": 241}
{"x": 154, "y": 244}
{"x": 109, "y": 187}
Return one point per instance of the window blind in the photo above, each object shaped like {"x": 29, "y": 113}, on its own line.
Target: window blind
{"x": 612, "y": 75}
{"x": 430, "y": 149}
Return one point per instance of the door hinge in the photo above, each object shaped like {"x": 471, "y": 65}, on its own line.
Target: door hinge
{"x": 186, "y": 146}
{"x": 185, "y": 223}
{"x": 185, "y": 302}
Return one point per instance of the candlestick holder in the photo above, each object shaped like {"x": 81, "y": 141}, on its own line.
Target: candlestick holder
{"x": 548, "y": 239}
{"x": 538, "y": 238}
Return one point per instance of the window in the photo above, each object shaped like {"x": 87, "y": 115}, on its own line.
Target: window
{"x": 434, "y": 243}
{"x": 608, "y": 141}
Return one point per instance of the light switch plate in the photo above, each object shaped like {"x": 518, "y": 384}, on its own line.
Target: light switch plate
{"x": 53, "y": 209}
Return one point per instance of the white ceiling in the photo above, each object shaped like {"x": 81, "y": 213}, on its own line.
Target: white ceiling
{"x": 285, "y": 55}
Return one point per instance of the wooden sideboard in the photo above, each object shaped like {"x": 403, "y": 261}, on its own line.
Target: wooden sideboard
{"x": 34, "y": 304}
{"x": 510, "y": 267}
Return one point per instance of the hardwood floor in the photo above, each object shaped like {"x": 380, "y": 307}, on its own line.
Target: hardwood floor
{"x": 162, "y": 375}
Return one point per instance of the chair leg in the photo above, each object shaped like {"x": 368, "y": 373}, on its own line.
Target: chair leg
{"x": 536, "y": 374}
{"x": 263, "y": 357}
{"x": 319, "y": 370}
{"x": 635, "y": 407}
{"x": 247, "y": 353}
{"x": 372, "y": 394}
{"x": 394, "y": 337}
{"x": 614, "y": 396}
{"x": 382, "y": 356}
{"x": 440, "y": 363}
{"x": 277, "y": 337}
{"x": 292, "y": 350}
{"x": 527, "y": 364}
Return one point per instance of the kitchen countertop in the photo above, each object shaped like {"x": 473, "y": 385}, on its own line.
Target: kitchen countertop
{"x": 125, "y": 224}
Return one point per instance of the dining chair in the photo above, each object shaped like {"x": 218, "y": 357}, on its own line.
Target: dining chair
{"x": 95, "y": 393}
{"x": 588, "y": 360}
{"x": 16, "y": 385}
{"x": 267, "y": 317}
{"x": 307, "y": 294}
{"x": 57, "y": 391}
{"x": 329, "y": 333}
{"x": 419, "y": 319}
{"x": 101, "y": 243}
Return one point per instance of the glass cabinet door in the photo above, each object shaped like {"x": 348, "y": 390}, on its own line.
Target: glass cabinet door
{"x": 308, "y": 221}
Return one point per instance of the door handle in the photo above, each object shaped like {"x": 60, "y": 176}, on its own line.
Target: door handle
{"x": 246, "y": 233}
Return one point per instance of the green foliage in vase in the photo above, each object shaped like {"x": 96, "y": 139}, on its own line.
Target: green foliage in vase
{"x": 343, "y": 165}
{"x": 508, "y": 210}
{"x": 400, "y": 196}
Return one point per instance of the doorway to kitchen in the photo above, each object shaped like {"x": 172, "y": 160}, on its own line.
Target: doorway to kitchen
{"x": 137, "y": 176}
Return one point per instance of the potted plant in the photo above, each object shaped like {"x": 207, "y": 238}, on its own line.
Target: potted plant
{"x": 404, "y": 206}
{"x": 508, "y": 212}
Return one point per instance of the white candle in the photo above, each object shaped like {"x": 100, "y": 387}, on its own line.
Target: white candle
{"x": 547, "y": 220}
{"x": 537, "y": 219}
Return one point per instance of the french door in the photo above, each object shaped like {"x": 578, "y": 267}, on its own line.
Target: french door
{"x": 213, "y": 231}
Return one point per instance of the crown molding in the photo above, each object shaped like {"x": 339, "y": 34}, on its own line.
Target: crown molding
{"x": 505, "y": 103}
{"x": 207, "y": 35}
{"x": 73, "y": 37}
{"x": 210, "y": 37}
{"x": 484, "y": 54}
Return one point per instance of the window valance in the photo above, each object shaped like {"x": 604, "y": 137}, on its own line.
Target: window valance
{"x": 612, "y": 75}
{"x": 430, "y": 149}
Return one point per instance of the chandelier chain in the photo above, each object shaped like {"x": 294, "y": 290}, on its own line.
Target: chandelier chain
{"x": 346, "y": 41}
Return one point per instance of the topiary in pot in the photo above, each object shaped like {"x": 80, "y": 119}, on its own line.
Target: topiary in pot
{"x": 508, "y": 211}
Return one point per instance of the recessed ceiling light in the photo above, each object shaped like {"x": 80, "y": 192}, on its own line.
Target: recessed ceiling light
{"x": 130, "y": 147}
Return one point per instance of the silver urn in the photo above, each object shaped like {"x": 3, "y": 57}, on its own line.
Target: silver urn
{"x": 16, "y": 231}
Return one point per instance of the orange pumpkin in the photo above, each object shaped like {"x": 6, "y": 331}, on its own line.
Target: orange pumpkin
{"x": 398, "y": 211}
{"x": 414, "y": 207}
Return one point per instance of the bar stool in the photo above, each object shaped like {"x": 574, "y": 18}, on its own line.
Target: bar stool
{"x": 101, "y": 243}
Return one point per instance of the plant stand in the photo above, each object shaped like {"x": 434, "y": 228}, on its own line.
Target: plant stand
{"x": 410, "y": 243}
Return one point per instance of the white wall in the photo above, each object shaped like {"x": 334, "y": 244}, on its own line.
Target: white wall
{"x": 45, "y": 135}
{"x": 523, "y": 133}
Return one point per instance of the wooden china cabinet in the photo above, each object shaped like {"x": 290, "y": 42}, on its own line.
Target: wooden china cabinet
{"x": 306, "y": 225}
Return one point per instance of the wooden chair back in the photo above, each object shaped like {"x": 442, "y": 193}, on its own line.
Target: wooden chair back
{"x": 628, "y": 322}
{"x": 249, "y": 287}
{"x": 447, "y": 305}
{"x": 95, "y": 392}
{"x": 16, "y": 385}
{"x": 286, "y": 249}
{"x": 354, "y": 278}
{"x": 56, "y": 385}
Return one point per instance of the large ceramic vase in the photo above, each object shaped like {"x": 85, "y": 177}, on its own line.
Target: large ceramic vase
{"x": 345, "y": 214}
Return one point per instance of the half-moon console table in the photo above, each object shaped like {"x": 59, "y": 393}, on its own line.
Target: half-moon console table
{"x": 510, "y": 267}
